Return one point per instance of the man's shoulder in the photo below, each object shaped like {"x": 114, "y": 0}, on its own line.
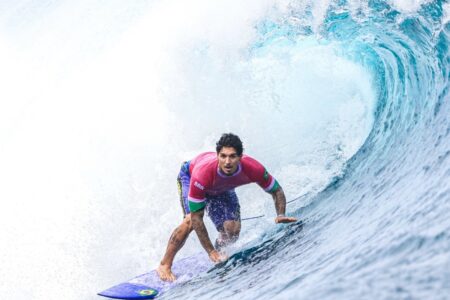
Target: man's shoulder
{"x": 204, "y": 165}
{"x": 251, "y": 167}
{"x": 250, "y": 162}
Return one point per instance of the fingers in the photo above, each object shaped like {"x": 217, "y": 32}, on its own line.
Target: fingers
{"x": 217, "y": 257}
{"x": 285, "y": 220}
{"x": 213, "y": 256}
{"x": 290, "y": 220}
{"x": 222, "y": 257}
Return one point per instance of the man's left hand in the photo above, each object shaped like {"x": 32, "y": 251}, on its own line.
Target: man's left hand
{"x": 284, "y": 219}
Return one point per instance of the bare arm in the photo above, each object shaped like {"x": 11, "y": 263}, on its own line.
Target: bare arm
{"x": 280, "y": 206}
{"x": 280, "y": 201}
{"x": 200, "y": 229}
{"x": 202, "y": 233}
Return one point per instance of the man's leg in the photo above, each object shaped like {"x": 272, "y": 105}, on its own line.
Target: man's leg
{"x": 181, "y": 233}
{"x": 229, "y": 234}
{"x": 176, "y": 242}
{"x": 224, "y": 211}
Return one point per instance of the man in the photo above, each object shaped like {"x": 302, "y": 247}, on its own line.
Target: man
{"x": 207, "y": 182}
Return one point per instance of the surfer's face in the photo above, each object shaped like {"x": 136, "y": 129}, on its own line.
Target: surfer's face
{"x": 228, "y": 160}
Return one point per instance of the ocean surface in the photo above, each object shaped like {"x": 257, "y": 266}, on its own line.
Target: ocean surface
{"x": 345, "y": 102}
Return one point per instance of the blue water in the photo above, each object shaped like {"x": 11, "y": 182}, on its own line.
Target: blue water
{"x": 381, "y": 230}
{"x": 344, "y": 101}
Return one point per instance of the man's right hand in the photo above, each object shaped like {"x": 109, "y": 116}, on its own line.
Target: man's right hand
{"x": 217, "y": 256}
{"x": 283, "y": 219}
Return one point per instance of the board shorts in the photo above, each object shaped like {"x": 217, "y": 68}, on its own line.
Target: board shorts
{"x": 220, "y": 208}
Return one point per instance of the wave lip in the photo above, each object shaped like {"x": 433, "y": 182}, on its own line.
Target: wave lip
{"x": 381, "y": 229}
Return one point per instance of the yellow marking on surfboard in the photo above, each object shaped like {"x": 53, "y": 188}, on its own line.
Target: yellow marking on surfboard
{"x": 147, "y": 292}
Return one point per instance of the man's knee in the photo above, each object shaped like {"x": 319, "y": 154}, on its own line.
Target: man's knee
{"x": 232, "y": 229}
{"x": 187, "y": 222}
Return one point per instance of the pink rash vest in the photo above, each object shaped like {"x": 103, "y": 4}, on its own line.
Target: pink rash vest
{"x": 207, "y": 180}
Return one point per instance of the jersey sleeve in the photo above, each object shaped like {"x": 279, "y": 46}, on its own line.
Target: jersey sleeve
{"x": 262, "y": 177}
{"x": 196, "y": 196}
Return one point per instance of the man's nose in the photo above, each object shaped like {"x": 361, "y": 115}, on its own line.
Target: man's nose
{"x": 227, "y": 160}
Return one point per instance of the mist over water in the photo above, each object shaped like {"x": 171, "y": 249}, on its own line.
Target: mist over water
{"x": 345, "y": 103}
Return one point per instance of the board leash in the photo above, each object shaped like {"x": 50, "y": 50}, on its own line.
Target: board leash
{"x": 290, "y": 201}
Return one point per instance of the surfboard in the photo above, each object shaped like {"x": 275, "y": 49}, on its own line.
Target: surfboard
{"x": 148, "y": 285}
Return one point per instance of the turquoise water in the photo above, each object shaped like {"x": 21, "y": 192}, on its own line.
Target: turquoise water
{"x": 381, "y": 230}
{"x": 345, "y": 102}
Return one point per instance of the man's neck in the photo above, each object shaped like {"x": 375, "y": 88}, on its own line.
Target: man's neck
{"x": 226, "y": 175}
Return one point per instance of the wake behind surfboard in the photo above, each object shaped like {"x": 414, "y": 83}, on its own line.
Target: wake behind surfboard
{"x": 148, "y": 286}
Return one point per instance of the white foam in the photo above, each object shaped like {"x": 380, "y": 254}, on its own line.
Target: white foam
{"x": 446, "y": 9}
{"x": 408, "y": 6}
{"x": 101, "y": 105}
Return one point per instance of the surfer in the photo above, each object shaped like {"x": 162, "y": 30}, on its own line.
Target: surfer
{"x": 207, "y": 182}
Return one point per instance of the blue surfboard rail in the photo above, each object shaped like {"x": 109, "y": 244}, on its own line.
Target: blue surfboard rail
{"x": 130, "y": 291}
{"x": 149, "y": 285}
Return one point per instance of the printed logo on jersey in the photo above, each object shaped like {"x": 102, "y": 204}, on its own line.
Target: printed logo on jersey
{"x": 197, "y": 184}
{"x": 266, "y": 174}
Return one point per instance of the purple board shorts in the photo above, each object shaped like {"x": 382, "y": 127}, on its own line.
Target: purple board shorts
{"x": 220, "y": 208}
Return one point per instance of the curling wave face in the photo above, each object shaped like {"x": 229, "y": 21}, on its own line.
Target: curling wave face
{"x": 381, "y": 230}
{"x": 345, "y": 102}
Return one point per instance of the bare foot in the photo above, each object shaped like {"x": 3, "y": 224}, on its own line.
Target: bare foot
{"x": 165, "y": 273}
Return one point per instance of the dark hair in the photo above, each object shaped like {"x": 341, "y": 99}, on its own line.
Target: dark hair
{"x": 230, "y": 140}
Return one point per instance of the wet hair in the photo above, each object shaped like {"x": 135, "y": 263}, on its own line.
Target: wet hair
{"x": 230, "y": 140}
